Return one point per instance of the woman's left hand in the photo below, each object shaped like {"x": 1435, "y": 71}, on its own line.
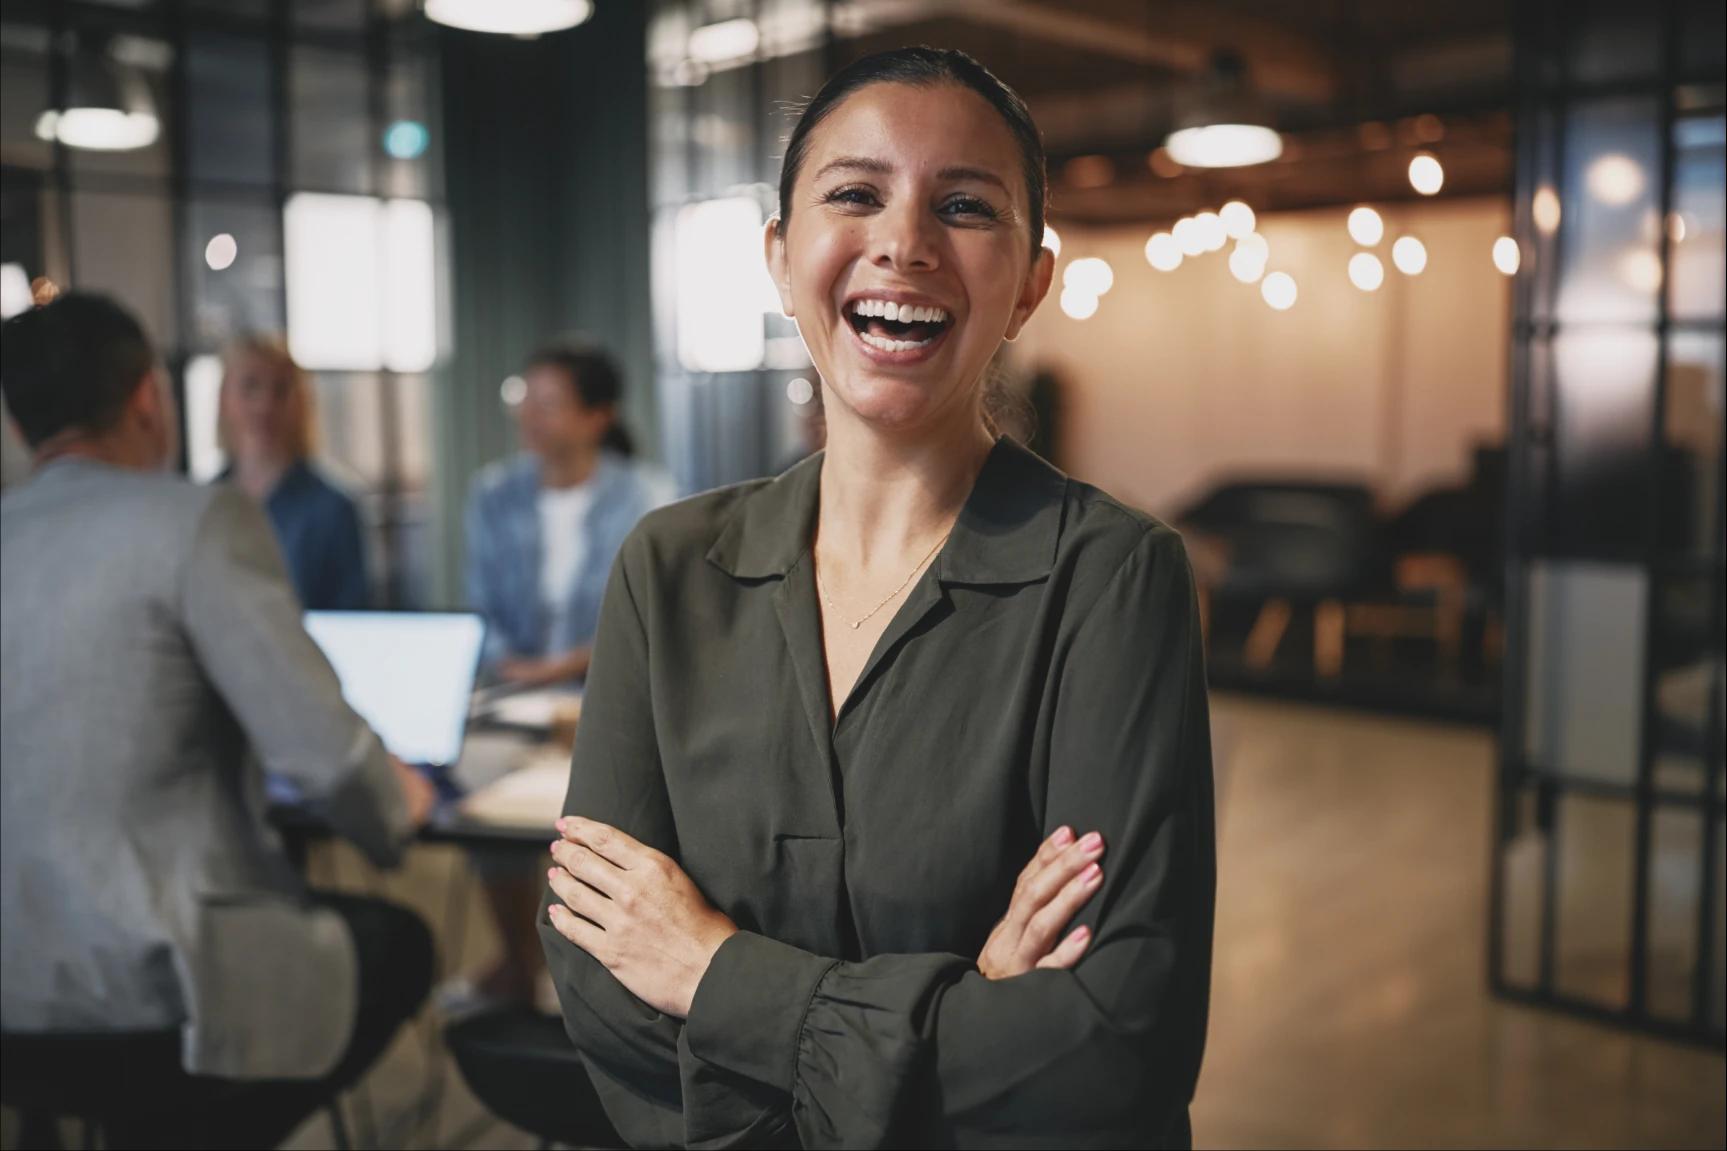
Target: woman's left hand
{"x": 633, "y": 909}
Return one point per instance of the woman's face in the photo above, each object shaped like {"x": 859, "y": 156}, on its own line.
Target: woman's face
{"x": 261, "y": 408}
{"x": 553, "y": 420}
{"x": 910, "y": 204}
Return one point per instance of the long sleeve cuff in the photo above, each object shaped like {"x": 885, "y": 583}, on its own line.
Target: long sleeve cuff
{"x": 367, "y": 806}
{"x": 749, "y": 1008}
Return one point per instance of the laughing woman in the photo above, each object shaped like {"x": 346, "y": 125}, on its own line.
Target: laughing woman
{"x": 890, "y": 820}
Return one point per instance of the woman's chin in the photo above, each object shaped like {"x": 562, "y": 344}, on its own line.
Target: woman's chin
{"x": 889, "y": 404}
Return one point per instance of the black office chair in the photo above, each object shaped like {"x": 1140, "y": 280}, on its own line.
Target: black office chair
{"x": 88, "y": 1078}
{"x": 520, "y": 1064}
{"x": 1293, "y": 546}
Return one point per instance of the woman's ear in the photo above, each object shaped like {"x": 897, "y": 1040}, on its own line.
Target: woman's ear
{"x": 774, "y": 249}
{"x": 1032, "y": 291}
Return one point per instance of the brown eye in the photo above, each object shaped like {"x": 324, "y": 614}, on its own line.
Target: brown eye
{"x": 856, "y": 196}
{"x": 969, "y": 206}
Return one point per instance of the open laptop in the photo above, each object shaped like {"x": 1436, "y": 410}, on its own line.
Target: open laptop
{"x": 409, "y": 675}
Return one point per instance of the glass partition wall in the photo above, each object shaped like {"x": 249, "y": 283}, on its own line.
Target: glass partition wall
{"x": 735, "y": 381}
{"x": 1607, "y": 867}
{"x": 284, "y": 177}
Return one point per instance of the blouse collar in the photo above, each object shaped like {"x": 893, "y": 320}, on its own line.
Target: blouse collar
{"x": 1006, "y": 533}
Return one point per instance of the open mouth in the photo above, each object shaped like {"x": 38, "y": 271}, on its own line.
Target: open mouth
{"x": 890, "y": 327}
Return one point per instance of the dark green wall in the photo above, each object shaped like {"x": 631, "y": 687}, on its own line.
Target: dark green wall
{"x": 546, "y": 176}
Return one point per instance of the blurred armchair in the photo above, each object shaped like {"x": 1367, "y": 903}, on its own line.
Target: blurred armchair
{"x": 1284, "y": 546}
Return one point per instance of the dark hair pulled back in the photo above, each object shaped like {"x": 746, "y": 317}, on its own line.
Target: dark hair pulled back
{"x": 597, "y": 381}
{"x": 924, "y": 67}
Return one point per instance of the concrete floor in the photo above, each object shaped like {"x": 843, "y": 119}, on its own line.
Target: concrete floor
{"x": 1349, "y": 1004}
{"x": 1349, "y": 987}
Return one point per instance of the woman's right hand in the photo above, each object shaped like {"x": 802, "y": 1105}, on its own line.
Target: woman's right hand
{"x": 1058, "y": 881}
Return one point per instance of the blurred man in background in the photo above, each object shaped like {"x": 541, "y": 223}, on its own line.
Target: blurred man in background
{"x": 155, "y": 940}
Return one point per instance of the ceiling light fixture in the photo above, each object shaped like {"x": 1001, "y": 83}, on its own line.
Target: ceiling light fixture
{"x": 726, "y": 41}
{"x": 510, "y": 17}
{"x": 1224, "y": 126}
{"x": 108, "y": 107}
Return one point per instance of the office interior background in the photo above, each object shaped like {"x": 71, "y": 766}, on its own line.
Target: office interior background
{"x": 1426, "y": 363}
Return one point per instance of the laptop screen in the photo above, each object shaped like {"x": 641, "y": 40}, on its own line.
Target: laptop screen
{"x": 408, "y": 674}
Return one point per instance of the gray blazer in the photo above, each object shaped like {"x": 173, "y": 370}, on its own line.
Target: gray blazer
{"x": 148, "y": 638}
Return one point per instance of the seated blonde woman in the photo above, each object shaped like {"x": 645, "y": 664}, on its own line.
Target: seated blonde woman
{"x": 267, "y": 429}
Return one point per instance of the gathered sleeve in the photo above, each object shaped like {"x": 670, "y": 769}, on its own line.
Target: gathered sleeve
{"x": 923, "y": 1049}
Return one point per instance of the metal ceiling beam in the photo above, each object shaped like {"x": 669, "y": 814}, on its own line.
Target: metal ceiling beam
{"x": 1183, "y": 37}
{"x": 1179, "y": 36}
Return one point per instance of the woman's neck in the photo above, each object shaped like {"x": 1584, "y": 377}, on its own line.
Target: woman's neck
{"x": 885, "y": 496}
{"x": 567, "y": 469}
{"x": 258, "y": 474}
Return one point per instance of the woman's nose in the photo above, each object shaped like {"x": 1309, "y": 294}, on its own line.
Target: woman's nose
{"x": 904, "y": 239}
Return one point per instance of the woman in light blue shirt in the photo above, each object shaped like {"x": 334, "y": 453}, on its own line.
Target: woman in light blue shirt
{"x": 542, "y": 531}
{"x": 544, "y": 527}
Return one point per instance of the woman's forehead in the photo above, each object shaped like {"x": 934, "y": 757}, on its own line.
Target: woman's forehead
{"x": 257, "y": 366}
{"x": 928, "y": 130}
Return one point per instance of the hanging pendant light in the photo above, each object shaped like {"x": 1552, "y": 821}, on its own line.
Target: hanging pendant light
{"x": 108, "y": 107}
{"x": 1223, "y": 125}
{"x": 510, "y": 17}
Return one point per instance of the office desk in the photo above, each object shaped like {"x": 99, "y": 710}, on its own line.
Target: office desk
{"x": 514, "y": 783}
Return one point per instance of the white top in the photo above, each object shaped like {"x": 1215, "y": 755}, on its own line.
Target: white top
{"x": 563, "y": 543}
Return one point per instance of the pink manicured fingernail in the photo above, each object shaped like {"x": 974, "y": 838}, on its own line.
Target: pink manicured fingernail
{"x": 1090, "y": 875}
{"x": 1091, "y": 842}
{"x": 1063, "y": 836}
{"x": 1080, "y": 933}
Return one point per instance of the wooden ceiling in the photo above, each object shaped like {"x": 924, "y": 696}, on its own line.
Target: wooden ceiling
{"x": 1356, "y": 86}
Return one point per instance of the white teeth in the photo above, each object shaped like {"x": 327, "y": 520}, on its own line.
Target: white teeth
{"x": 903, "y": 313}
{"x": 888, "y": 345}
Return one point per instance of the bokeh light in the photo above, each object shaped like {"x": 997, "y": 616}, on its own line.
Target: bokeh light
{"x": 1162, "y": 252}
{"x": 1410, "y": 255}
{"x": 1506, "y": 256}
{"x": 1366, "y": 272}
{"x": 1426, "y": 175}
{"x": 220, "y": 252}
{"x": 1279, "y": 290}
{"x": 1365, "y": 227}
{"x": 1238, "y": 219}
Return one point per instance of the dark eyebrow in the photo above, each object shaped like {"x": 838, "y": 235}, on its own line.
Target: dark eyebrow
{"x": 855, "y": 164}
{"x": 983, "y": 175}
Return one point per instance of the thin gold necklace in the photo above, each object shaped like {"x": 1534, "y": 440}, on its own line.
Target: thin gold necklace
{"x": 821, "y": 586}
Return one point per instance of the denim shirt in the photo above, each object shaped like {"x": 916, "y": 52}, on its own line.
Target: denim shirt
{"x": 504, "y": 555}
{"x": 318, "y": 529}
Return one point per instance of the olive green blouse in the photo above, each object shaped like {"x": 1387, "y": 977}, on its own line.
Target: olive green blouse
{"x": 1045, "y": 670}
